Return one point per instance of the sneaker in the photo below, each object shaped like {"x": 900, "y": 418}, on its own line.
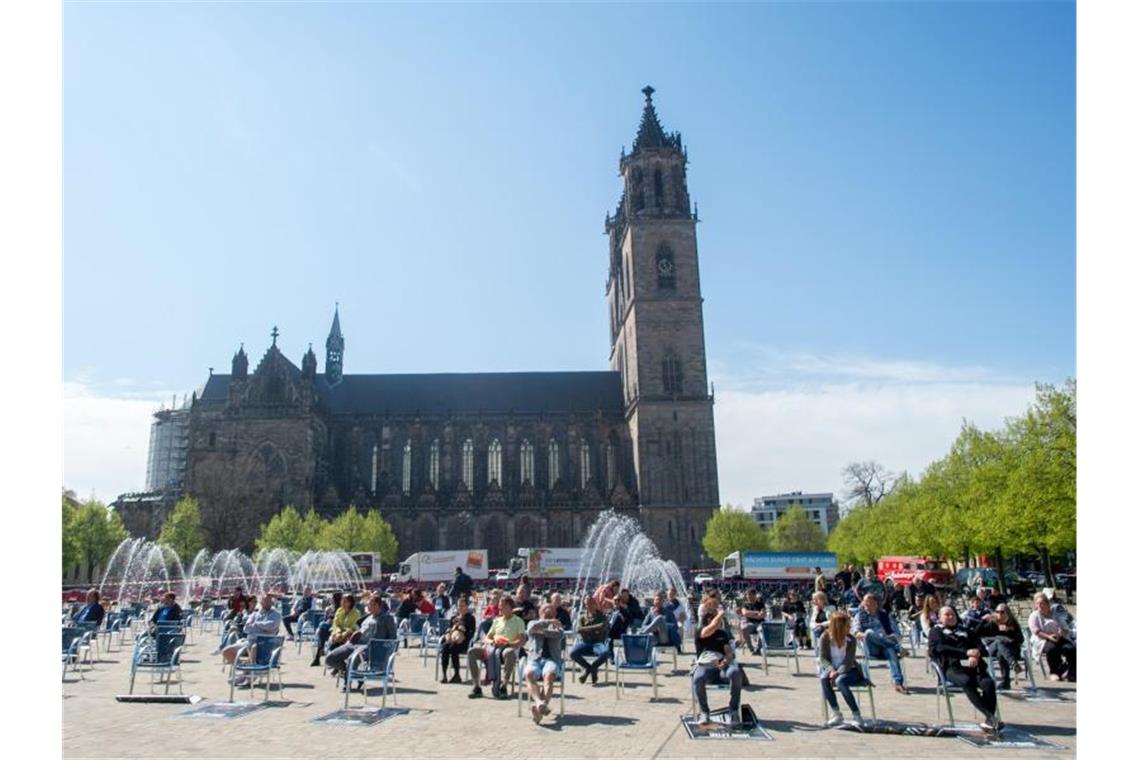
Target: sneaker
{"x": 705, "y": 720}
{"x": 835, "y": 719}
{"x": 856, "y": 719}
{"x": 536, "y": 713}
{"x": 476, "y": 693}
{"x": 501, "y": 693}
{"x": 444, "y": 679}
{"x": 583, "y": 676}
{"x": 988, "y": 725}
{"x": 316, "y": 663}
{"x": 1054, "y": 677}
{"x": 456, "y": 679}
{"x": 594, "y": 677}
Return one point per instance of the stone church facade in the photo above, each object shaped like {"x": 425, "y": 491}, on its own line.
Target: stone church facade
{"x": 492, "y": 460}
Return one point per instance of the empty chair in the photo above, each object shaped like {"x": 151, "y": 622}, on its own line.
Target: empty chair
{"x": 159, "y": 655}
{"x": 72, "y": 640}
{"x": 637, "y": 653}
{"x": 774, "y": 640}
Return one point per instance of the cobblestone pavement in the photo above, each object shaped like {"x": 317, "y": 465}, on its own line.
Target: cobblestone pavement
{"x": 444, "y": 723}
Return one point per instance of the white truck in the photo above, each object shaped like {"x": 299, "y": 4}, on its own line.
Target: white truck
{"x": 546, "y": 563}
{"x": 433, "y": 567}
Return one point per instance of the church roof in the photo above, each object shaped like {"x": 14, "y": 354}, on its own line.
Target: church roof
{"x": 490, "y": 392}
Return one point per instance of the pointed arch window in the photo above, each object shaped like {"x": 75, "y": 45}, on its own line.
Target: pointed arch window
{"x": 658, "y": 187}
{"x": 468, "y": 463}
{"x": 671, "y": 374}
{"x": 585, "y": 464}
{"x": 611, "y": 466}
{"x": 406, "y": 468}
{"x": 375, "y": 464}
{"x": 526, "y": 463}
{"x": 552, "y": 462}
{"x": 433, "y": 464}
{"x": 494, "y": 462}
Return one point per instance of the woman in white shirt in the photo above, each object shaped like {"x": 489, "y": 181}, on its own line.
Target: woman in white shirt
{"x": 839, "y": 667}
{"x": 1052, "y": 637}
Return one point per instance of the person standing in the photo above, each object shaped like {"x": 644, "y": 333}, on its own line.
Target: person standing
{"x": 461, "y": 586}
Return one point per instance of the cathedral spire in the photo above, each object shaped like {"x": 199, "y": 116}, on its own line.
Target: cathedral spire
{"x": 650, "y": 134}
{"x": 334, "y": 351}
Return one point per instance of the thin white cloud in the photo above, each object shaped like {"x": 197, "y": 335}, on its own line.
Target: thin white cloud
{"x": 105, "y": 439}
{"x": 825, "y": 412}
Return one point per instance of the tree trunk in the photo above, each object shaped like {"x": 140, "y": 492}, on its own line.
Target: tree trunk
{"x": 1048, "y": 562}
{"x": 1000, "y": 561}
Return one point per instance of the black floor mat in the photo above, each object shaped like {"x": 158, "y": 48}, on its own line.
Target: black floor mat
{"x": 749, "y": 727}
{"x": 359, "y": 716}
{"x": 170, "y": 699}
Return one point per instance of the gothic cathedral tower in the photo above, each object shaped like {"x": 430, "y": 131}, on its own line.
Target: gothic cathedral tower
{"x": 657, "y": 341}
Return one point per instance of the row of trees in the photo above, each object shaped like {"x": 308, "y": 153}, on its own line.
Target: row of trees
{"x": 351, "y": 531}
{"x": 994, "y": 493}
{"x": 731, "y": 529}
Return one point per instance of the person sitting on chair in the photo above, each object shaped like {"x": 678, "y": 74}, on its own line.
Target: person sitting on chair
{"x": 324, "y": 629}
{"x": 491, "y": 610}
{"x": 605, "y": 595}
{"x": 752, "y": 614}
{"x": 716, "y": 664}
{"x": 168, "y": 613}
{"x": 264, "y": 622}
{"x": 794, "y": 611}
{"x": 300, "y": 607}
{"x": 875, "y": 627}
{"x": 869, "y": 584}
{"x": 92, "y": 611}
{"x": 958, "y": 652}
{"x": 378, "y": 624}
{"x": 500, "y": 647}
{"x": 592, "y": 628}
{"x": 342, "y": 627}
{"x": 633, "y": 612}
{"x": 544, "y": 658}
{"x": 818, "y": 613}
{"x": 1052, "y": 637}
{"x": 456, "y": 640}
{"x": 441, "y": 602}
{"x": 976, "y": 614}
{"x": 525, "y": 605}
{"x": 659, "y": 621}
{"x": 561, "y": 612}
{"x": 839, "y": 667}
{"x": 1003, "y": 639}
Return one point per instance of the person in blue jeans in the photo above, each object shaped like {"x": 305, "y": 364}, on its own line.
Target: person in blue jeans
{"x": 839, "y": 668}
{"x": 874, "y": 626}
{"x": 593, "y": 640}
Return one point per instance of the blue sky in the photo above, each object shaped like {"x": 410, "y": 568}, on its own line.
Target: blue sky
{"x": 886, "y": 194}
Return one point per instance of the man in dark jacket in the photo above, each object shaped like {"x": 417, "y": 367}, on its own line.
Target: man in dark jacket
{"x": 460, "y": 586}
{"x": 958, "y": 651}
{"x": 92, "y": 612}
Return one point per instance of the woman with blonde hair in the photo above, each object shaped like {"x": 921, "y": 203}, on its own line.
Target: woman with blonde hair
{"x": 839, "y": 667}
{"x": 818, "y": 613}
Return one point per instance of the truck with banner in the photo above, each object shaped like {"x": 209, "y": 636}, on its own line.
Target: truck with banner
{"x": 546, "y": 563}
{"x": 777, "y": 566}
{"x": 433, "y": 567}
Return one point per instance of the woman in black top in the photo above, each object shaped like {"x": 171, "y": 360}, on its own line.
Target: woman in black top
{"x": 1004, "y": 641}
{"x": 463, "y": 624}
{"x": 794, "y": 610}
{"x": 716, "y": 663}
{"x": 958, "y": 651}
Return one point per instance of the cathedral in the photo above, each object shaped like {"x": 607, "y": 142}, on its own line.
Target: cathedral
{"x": 492, "y": 460}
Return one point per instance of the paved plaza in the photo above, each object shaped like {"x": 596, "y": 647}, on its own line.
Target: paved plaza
{"x": 443, "y": 722}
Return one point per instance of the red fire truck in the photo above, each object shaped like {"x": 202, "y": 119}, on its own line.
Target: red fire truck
{"x": 902, "y": 570}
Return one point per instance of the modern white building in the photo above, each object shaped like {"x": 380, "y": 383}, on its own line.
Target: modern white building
{"x": 822, "y": 508}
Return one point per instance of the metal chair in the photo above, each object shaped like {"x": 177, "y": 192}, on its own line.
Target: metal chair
{"x": 159, "y": 654}
{"x": 72, "y": 640}
{"x": 307, "y": 628}
{"x": 374, "y": 662}
{"x": 945, "y": 689}
{"x": 774, "y": 639}
{"x": 263, "y": 658}
{"x": 637, "y": 653}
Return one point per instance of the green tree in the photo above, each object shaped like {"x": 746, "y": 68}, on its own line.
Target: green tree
{"x": 288, "y": 530}
{"x": 794, "y": 531}
{"x": 354, "y": 532}
{"x": 730, "y": 530}
{"x": 71, "y": 554}
{"x": 97, "y": 531}
{"x": 182, "y": 531}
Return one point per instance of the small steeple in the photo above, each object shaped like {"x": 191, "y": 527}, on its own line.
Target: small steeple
{"x": 240, "y": 365}
{"x": 334, "y": 350}
{"x": 309, "y": 364}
